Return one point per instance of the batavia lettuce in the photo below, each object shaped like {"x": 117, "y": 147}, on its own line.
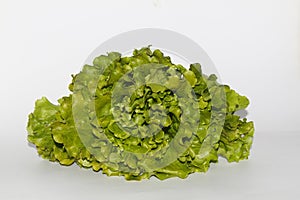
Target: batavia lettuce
{"x": 129, "y": 124}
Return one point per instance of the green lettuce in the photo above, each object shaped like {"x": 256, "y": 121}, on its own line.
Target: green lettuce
{"x": 143, "y": 124}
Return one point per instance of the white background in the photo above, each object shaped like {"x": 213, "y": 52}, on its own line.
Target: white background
{"x": 255, "y": 46}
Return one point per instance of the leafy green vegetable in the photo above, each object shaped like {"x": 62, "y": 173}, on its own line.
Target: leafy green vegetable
{"x": 142, "y": 116}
